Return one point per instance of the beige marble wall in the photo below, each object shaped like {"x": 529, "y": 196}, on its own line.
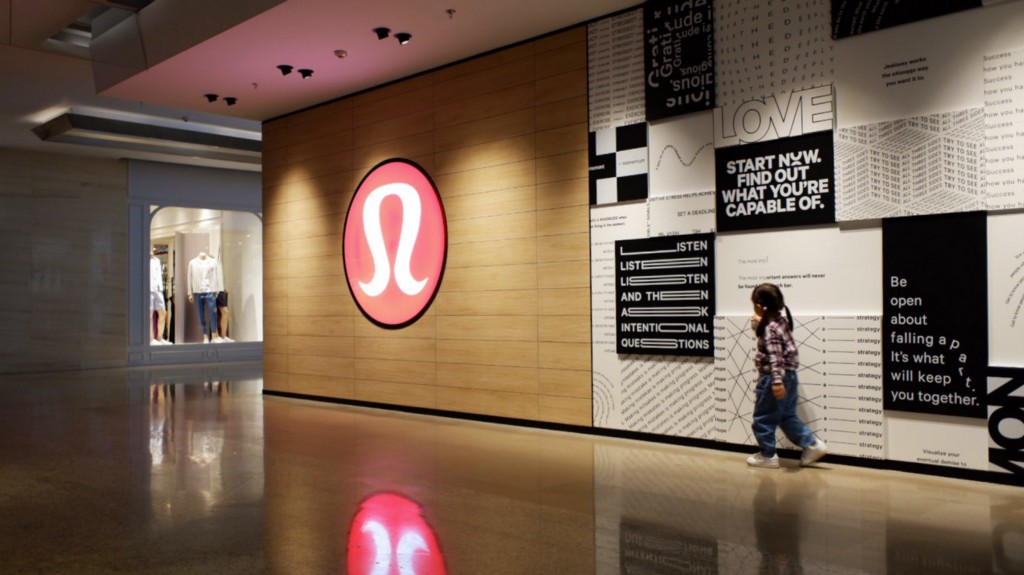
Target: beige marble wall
{"x": 63, "y": 250}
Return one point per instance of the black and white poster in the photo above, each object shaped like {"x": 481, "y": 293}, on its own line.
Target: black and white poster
{"x": 617, "y": 164}
{"x": 679, "y": 57}
{"x": 1005, "y": 420}
{"x": 665, "y": 295}
{"x": 852, "y": 17}
{"x": 935, "y": 310}
{"x": 775, "y": 184}
{"x": 615, "y": 71}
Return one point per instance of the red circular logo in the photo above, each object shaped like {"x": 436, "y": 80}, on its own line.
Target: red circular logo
{"x": 389, "y": 536}
{"x": 395, "y": 243}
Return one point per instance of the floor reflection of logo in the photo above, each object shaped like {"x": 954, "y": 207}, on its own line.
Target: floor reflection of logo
{"x": 395, "y": 243}
{"x": 389, "y": 536}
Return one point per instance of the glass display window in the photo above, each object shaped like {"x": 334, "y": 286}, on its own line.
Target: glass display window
{"x": 206, "y": 272}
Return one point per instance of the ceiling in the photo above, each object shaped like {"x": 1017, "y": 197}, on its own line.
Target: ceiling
{"x": 154, "y": 66}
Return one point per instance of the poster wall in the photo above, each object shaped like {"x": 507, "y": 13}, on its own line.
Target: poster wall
{"x": 852, "y": 172}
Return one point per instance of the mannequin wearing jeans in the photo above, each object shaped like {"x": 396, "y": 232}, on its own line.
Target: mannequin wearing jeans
{"x": 203, "y": 285}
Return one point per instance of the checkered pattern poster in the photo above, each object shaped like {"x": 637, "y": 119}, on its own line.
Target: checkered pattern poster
{"x": 618, "y": 164}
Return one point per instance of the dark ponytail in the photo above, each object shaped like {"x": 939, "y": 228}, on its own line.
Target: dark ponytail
{"x": 769, "y": 297}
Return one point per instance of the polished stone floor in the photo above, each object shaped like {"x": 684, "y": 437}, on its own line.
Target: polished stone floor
{"x": 195, "y": 471}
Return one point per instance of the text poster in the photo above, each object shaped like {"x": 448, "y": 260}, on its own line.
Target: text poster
{"x": 800, "y": 51}
{"x": 1005, "y": 422}
{"x": 665, "y": 295}
{"x": 774, "y": 117}
{"x": 1004, "y": 130}
{"x": 681, "y": 215}
{"x": 615, "y": 72}
{"x": 1006, "y": 290}
{"x": 679, "y": 59}
{"x": 931, "y": 67}
{"x": 822, "y": 270}
{"x": 935, "y": 310}
{"x": 840, "y": 382}
{"x": 775, "y": 184}
{"x": 852, "y": 17}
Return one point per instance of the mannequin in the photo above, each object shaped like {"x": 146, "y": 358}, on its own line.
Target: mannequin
{"x": 156, "y": 299}
{"x": 222, "y": 316}
{"x": 203, "y": 284}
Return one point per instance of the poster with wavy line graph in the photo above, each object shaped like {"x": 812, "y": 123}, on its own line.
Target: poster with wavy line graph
{"x": 681, "y": 155}
{"x": 840, "y": 382}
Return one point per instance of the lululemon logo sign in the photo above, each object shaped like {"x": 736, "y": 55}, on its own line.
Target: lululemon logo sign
{"x": 389, "y": 536}
{"x": 396, "y": 242}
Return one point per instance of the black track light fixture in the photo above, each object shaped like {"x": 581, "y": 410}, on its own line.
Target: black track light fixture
{"x": 285, "y": 69}
{"x": 403, "y": 38}
{"x": 305, "y": 73}
{"x": 210, "y": 97}
{"x": 230, "y": 100}
{"x": 382, "y": 32}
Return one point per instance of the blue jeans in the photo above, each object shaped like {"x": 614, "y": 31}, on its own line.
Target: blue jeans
{"x": 206, "y": 303}
{"x": 771, "y": 413}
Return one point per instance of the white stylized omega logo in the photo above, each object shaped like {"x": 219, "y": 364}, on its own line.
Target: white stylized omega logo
{"x": 409, "y": 544}
{"x": 407, "y": 239}
{"x": 395, "y": 243}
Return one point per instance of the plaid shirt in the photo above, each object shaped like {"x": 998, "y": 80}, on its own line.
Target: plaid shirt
{"x": 776, "y": 351}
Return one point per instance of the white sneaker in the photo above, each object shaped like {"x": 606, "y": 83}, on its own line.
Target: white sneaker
{"x": 227, "y": 339}
{"x": 156, "y": 342}
{"x": 206, "y": 339}
{"x": 759, "y": 460}
{"x": 813, "y": 452}
{"x": 217, "y": 339}
{"x": 166, "y": 342}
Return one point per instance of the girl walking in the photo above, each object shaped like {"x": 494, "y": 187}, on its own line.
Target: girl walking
{"x": 777, "y": 395}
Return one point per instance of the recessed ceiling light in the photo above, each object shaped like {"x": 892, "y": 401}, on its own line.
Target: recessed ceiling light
{"x": 403, "y": 38}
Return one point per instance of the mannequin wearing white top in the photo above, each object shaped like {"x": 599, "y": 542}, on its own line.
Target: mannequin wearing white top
{"x": 156, "y": 299}
{"x": 203, "y": 284}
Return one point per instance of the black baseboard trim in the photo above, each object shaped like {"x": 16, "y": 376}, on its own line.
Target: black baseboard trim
{"x": 882, "y": 464}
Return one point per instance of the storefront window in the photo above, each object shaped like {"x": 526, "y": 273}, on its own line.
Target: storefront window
{"x": 206, "y": 272}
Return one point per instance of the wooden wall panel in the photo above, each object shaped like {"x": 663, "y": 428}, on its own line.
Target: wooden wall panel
{"x": 500, "y": 177}
{"x": 504, "y": 137}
